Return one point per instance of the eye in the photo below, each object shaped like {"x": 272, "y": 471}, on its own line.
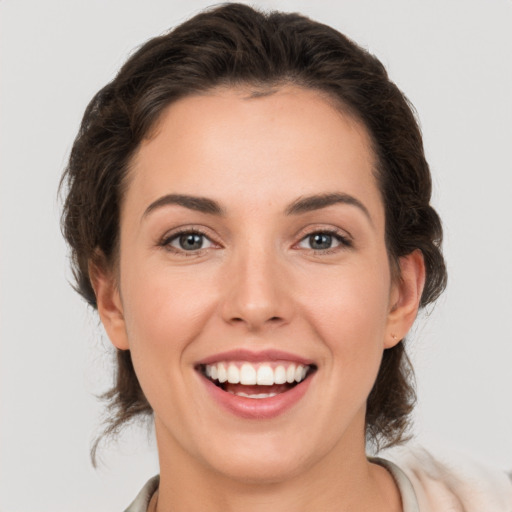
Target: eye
{"x": 188, "y": 241}
{"x": 323, "y": 241}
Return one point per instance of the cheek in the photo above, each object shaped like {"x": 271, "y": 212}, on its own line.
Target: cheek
{"x": 164, "y": 313}
{"x": 350, "y": 311}
{"x": 164, "y": 307}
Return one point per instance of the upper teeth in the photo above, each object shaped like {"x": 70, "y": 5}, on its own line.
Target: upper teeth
{"x": 262, "y": 374}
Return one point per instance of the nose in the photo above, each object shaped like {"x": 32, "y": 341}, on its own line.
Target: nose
{"x": 256, "y": 294}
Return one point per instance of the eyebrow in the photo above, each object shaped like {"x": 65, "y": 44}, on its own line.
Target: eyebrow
{"x": 301, "y": 205}
{"x": 199, "y": 204}
{"x": 317, "y": 202}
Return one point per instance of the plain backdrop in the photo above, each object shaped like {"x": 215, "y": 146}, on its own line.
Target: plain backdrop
{"x": 453, "y": 59}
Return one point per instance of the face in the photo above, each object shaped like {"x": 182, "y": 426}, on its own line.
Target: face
{"x": 254, "y": 287}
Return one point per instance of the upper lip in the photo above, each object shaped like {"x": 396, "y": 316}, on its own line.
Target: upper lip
{"x": 255, "y": 357}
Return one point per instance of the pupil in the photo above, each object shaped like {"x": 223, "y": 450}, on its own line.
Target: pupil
{"x": 320, "y": 241}
{"x": 191, "y": 241}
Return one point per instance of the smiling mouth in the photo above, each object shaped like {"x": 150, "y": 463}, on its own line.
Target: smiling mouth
{"x": 256, "y": 380}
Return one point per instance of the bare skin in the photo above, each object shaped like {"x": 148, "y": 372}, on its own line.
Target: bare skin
{"x": 258, "y": 279}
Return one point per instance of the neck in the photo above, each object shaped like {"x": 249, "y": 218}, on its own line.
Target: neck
{"x": 341, "y": 481}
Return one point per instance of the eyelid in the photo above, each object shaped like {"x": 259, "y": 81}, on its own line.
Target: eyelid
{"x": 169, "y": 236}
{"x": 342, "y": 236}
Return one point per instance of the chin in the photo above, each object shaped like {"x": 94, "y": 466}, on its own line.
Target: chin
{"x": 267, "y": 460}
{"x": 258, "y": 471}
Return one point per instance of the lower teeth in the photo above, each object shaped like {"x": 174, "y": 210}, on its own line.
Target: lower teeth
{"x": 259, "y": 395}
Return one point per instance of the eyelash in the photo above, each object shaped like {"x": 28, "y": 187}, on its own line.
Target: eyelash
{"x": 168, "y": 239}
{"x": 344, "y": 241}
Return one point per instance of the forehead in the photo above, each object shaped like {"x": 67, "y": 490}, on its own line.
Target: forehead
{"x": 231, "y": 143}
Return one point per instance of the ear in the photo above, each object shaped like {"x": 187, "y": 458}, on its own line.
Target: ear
{"x": 108, "y": 300}
{"x": 405, "y": 297}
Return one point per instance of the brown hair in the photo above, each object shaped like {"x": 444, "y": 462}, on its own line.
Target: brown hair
{"x": 236, "y": 45}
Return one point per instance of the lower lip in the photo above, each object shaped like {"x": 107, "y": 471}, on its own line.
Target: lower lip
{"x": 258, "y": 408}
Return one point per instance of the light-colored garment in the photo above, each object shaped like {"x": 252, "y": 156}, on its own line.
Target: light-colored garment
{"x": 452, "y": 485}
{"x": 141, "y": 502}
{"x": 426, "y": 484}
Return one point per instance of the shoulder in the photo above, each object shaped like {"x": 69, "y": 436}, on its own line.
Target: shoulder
{"x": 453, "y": 483}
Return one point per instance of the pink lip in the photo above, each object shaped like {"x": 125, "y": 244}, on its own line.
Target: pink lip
{"x": 255, "y": 357}
{"x": 257, "y": 408}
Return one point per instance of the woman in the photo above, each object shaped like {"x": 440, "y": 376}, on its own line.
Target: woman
{"x": 248, "y": 210}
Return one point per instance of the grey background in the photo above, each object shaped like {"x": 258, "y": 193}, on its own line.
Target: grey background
{"x": 452, "y": 58}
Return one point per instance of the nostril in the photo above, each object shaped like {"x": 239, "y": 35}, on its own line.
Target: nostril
{"x": 273, "y": 319}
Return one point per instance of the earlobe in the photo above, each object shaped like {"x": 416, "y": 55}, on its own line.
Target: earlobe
{"x": 405, "y": 297}
{"x": 108, "y": 300}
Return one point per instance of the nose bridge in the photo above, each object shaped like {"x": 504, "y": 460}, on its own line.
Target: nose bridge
{"x": 255, "y": 294}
